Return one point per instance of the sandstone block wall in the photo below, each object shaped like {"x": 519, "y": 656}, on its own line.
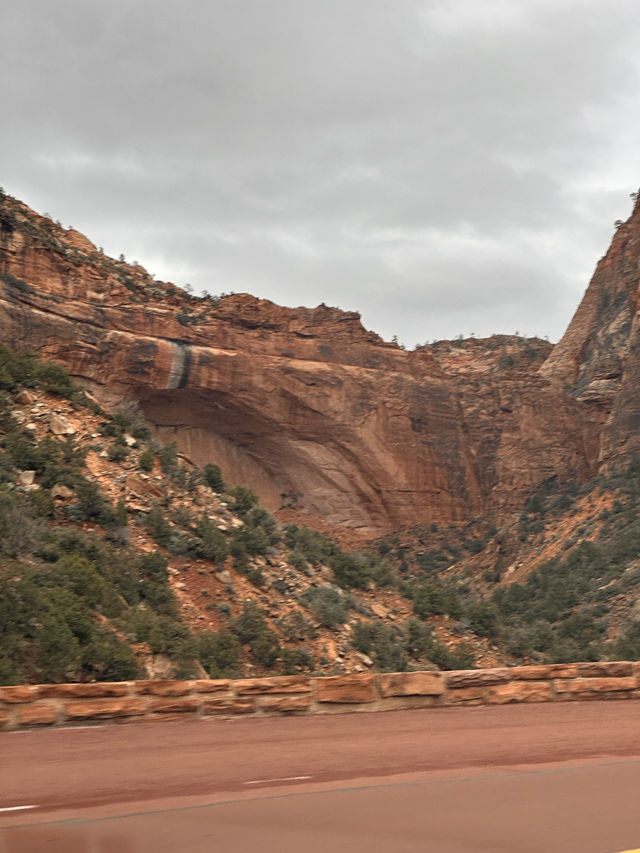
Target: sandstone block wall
{"x": 25, "y": 706}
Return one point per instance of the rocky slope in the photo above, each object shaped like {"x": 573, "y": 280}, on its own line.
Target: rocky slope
{"x": 90, "y": 504}
{"x": 322, "y": 418}
{"x": 502, "y": 472}
{"x": 118, "y": 557}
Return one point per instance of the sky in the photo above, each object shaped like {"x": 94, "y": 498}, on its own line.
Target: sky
{"x": 443, "y": 167}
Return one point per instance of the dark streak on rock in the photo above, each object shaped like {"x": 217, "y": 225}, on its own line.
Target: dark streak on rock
{"x": 186, "y": 366}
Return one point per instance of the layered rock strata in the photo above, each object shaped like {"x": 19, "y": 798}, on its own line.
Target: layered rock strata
{"x": 321, "y": 417}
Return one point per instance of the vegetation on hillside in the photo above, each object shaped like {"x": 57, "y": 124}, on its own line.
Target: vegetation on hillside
{"x": 80, "y": 601}
{"x": 563, "y": 610}
{"x": 581, "y": 604}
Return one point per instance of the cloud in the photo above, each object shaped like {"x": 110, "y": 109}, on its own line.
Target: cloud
{"x": 444, "y": 166}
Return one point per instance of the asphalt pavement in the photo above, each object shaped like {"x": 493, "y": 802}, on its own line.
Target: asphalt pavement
{"x": 516, "y": 778}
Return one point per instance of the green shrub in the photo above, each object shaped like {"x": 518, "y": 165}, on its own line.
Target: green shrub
{"x": 349, "y": 570}
{"x": 181, "y": 476}
{"x": 59, "y": 462}
{"x": 328, "y": 605}
{"x": 119, "y": 569}
{"x": 164, "y": 634}
{"x": 122, "y": 516}
{"x": 182, "y": 544}
{"x": 256, "y": 577}
{"x": 219, "y": 653}
{"x": 578, "y": 637}
{"x": 7, "y": 421}
{"x": 265, "y": 648}
{"x": 212, "y": 543}
{"x": 360, "y": 569}
{"x": 146, "y": 461}
{"x": 7, "y": 470}
{"x": 158, "y": 525}
{"x": 213, "y": 477}
{"x": 188, "y": 319}
{"x": 363, "y": 636}
{"x": 418, "y": 638}
{"x": 182, "y": 516}
{"x": 249, "y": 540}
{"x": 298, "y": 562}
{"x": 460, "y": 657}
{"x": 57, "y": 649}
{"x": 484, "y": 618}
{"x": 15, "y": 369}
{"x": 20, "y": 531}
{"x": 627, "y": 647}
{"x": 250, "y": 623}
{"x": 420, "y": 642}
{"x": 526, "y": 640}
{"x": 258, "y": 516}
{"x": 313, "y": 546}
{"x": 432, "y": 597}
{"x": 26, "y": 370}
{"x": 106, "y": 658}
{"x": 382, "y": 643}
{"x": 296, "y": 660}
{"x": 90, "y": 505}
{"x": 54, "y": 378}
{"x": 168, "y": 456}
{"x": 295, "y": 626}
{"x": 9, "y": 672}
{"x": 48, "y": 629}
{"x": 21, "y": 450}
{"x": 117, "y": 452}
{"x": 433, "y": 561}
{"x": 128, "y": 417}
{"x": 474, "y": 546}
{"x": 41, "y": 503}
{"x": 80, "y": 576}
{"x": 568, "y": 650}
{"x": 251, "y": 627}
{"x": 154, "y": 585}
{"x": 244, "y": 499}
{"x": 108, "y": 428}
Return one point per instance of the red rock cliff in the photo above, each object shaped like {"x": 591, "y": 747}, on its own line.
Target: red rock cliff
{"x": 314, "y": 412}
{"x": 599, "y": 354}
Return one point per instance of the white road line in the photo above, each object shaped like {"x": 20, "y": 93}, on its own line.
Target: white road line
{"x": 16, "y": 808}
{"x": 65, "y": 729}
{"x": 282, "y": 779}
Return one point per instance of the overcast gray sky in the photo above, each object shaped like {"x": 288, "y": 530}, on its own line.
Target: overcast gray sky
{"x": 441, "y": 166}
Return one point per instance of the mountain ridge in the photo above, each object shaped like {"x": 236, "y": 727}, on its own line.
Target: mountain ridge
{"x": 321, "y": 417}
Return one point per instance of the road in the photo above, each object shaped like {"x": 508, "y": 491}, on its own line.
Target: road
{"x": 452, "y": 780}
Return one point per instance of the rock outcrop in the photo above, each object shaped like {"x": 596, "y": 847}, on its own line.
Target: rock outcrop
{"x": 321, "y": 417}
{"x": 599, "y": 354}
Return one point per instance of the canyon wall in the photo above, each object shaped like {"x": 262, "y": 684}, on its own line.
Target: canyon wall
{"x": 599, "y": 354}
{"x": 326, "y": 421}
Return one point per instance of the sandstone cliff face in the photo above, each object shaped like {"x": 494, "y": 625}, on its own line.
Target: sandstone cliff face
{"x": 318, "y": 415}
{"x": 599, "y": 356}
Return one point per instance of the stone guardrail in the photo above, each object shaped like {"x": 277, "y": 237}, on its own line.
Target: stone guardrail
{"x": 24, "y": 706}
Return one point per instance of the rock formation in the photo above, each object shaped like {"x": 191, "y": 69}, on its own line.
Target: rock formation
{"x": 599, "y": 354}
{"x": 321, "y": 417}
